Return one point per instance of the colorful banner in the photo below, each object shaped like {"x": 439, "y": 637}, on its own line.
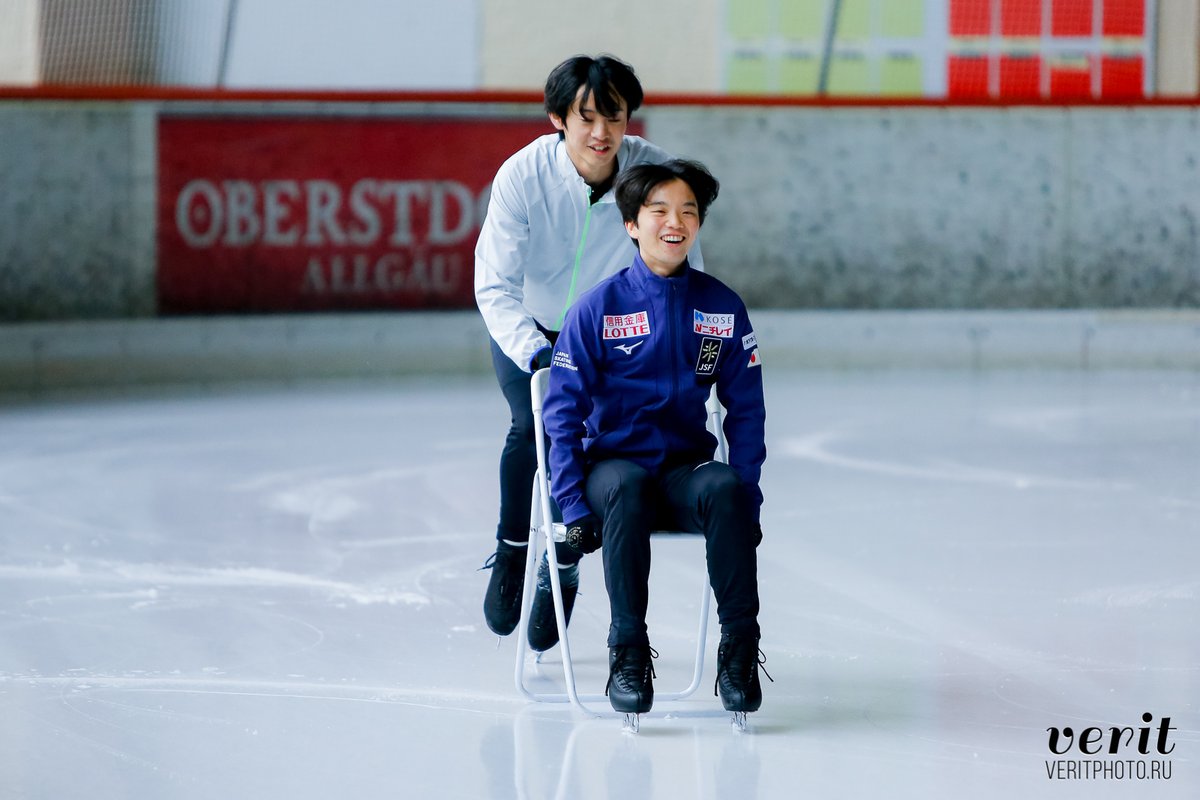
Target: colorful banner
{"x": 300, "y": 214}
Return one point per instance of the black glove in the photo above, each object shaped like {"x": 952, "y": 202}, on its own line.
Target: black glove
{"x": 583, "y": 535}
{"x": 541, "y": 359}
{"x": 756, "y": 531}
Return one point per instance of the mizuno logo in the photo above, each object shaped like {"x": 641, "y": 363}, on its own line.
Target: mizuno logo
{"x": 627, "y": 349}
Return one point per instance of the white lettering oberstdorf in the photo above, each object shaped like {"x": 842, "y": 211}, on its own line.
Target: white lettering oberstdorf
{"x": 317, "y": 213}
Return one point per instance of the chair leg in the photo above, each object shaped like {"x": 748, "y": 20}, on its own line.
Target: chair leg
{"x": 535, "y": 534}
{"x": 571, "y": 695}
{"x": 560, "y": 617}
{"x": 701, "y": 644}
{"x": 542, "y": 533}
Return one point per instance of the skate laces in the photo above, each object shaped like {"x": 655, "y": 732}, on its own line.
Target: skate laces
{"x": 627, "y": 666}
{"x": 568, "y": 575}
{"x": 762, "y": 664}
{"x": 505, "y": 557}
{"x": 739, "y": 660}
{"x": 509, "y": 563}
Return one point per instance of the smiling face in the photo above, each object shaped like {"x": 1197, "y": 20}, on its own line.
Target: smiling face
{"x": 592, "y": 139}
{"x": 666, "y": 227}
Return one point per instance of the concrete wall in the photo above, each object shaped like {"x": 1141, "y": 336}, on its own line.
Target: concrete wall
{"x": 46, "y": 358}
{"x": 950, "y": 208}
{"x": 76, "y": 210}
{"x": 870, "y": 208}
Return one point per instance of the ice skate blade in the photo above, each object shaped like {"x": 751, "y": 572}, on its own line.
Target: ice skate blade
{"x": 738, "y": 721}
{"x": 631, "y": 723}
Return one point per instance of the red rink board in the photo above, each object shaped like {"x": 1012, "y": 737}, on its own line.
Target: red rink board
{"x": 299, "y": 214}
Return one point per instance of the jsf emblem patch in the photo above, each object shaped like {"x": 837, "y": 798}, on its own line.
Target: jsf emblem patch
{"x": 626, "y": 326}
{"x": 712, "y": 324}
{"x": 710, "y": 352}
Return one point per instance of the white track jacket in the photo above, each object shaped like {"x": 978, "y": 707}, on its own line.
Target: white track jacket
{"x": 543, "y": 243}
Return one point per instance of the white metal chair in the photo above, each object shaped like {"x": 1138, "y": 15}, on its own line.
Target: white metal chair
{"x": 544, "y": 532}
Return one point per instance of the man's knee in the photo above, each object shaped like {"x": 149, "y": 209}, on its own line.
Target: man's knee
{"x": 719, "y": 484}
{"x": 522, "y": 428}
{"x": 618, "y": 483}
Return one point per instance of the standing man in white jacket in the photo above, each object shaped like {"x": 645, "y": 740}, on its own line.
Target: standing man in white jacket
{"x": 552, "y": 230}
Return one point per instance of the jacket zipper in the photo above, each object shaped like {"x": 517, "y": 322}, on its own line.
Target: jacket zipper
{"x": 673, "y": 324}
{"x": 587, "y": 221}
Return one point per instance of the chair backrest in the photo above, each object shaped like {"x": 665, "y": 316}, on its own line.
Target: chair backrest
{"x": 538, "y": 386}
{"x": 541, "y": 382}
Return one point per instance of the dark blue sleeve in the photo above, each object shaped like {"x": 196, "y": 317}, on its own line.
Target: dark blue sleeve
{"x": 740, "y": 390}
{"x": 568, "y": 403}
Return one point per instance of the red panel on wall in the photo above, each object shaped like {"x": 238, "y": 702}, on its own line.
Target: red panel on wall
{"x": 970, "y": 17}
{"x": 295, "y": 214}
{"x": 1070, "y": 80}
{"x": 967, "y": 77}
{"x": 1020, "y": 17}
{"x": 1121, "y": 78}
{"x": 1124, "y": 18}
{"x": 1020, "y": 77}
{"x": 1071, "y": 17}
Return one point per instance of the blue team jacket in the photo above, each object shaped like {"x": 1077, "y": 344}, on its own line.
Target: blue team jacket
{"x": 632, "y": 369}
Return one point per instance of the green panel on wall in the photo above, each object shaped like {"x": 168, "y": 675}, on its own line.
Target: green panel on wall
{"x": 747, "y": 75}
{"x": 803, "y": 20}
{"x": 849, "y": 76}
{"x": 799, "y": 75}
{"x": 749, "y": 19}
{"x": 900, "y": 76}
{"x": 854, "y": 21}
{"x": 902, "y": 18}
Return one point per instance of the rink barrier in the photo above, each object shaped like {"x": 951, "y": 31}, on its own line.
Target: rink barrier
{"x": 44, "y": 357}
{"x": 838, "y": 206}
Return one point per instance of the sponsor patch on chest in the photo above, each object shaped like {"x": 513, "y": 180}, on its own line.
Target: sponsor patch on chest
{"x": 712, "y": 324}
{"x": 710, "y": 353}
{"x": 626, "y": 326}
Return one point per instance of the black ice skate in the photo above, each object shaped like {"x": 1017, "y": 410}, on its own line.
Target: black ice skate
{"x": 502, "y": 603}
{"x": 738, "y": 660}
{"x": 630, "y": 686}
{"x": 543, "y": 628}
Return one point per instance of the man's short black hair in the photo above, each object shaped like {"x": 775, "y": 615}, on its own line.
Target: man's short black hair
{"x": 608, "y": 80}
{"x": 635, "y": 184}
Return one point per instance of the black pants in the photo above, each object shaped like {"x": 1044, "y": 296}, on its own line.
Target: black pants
{"x": 518, "y": 459}
{"x": 708, "y": 497}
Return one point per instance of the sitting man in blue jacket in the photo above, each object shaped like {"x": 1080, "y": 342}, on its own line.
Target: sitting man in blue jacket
{"x": 630, "y": 451}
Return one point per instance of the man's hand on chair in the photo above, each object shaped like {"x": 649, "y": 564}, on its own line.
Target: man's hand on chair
{"x": 541, "y": 359}
{"x": 584, "y": 534}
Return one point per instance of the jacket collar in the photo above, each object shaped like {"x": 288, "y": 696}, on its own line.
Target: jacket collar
{"x": 646, "y": 278}
{"x": 565, "y": 167}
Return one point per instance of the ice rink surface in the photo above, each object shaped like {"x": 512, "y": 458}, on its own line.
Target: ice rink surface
{"x": 275, "y": 593}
